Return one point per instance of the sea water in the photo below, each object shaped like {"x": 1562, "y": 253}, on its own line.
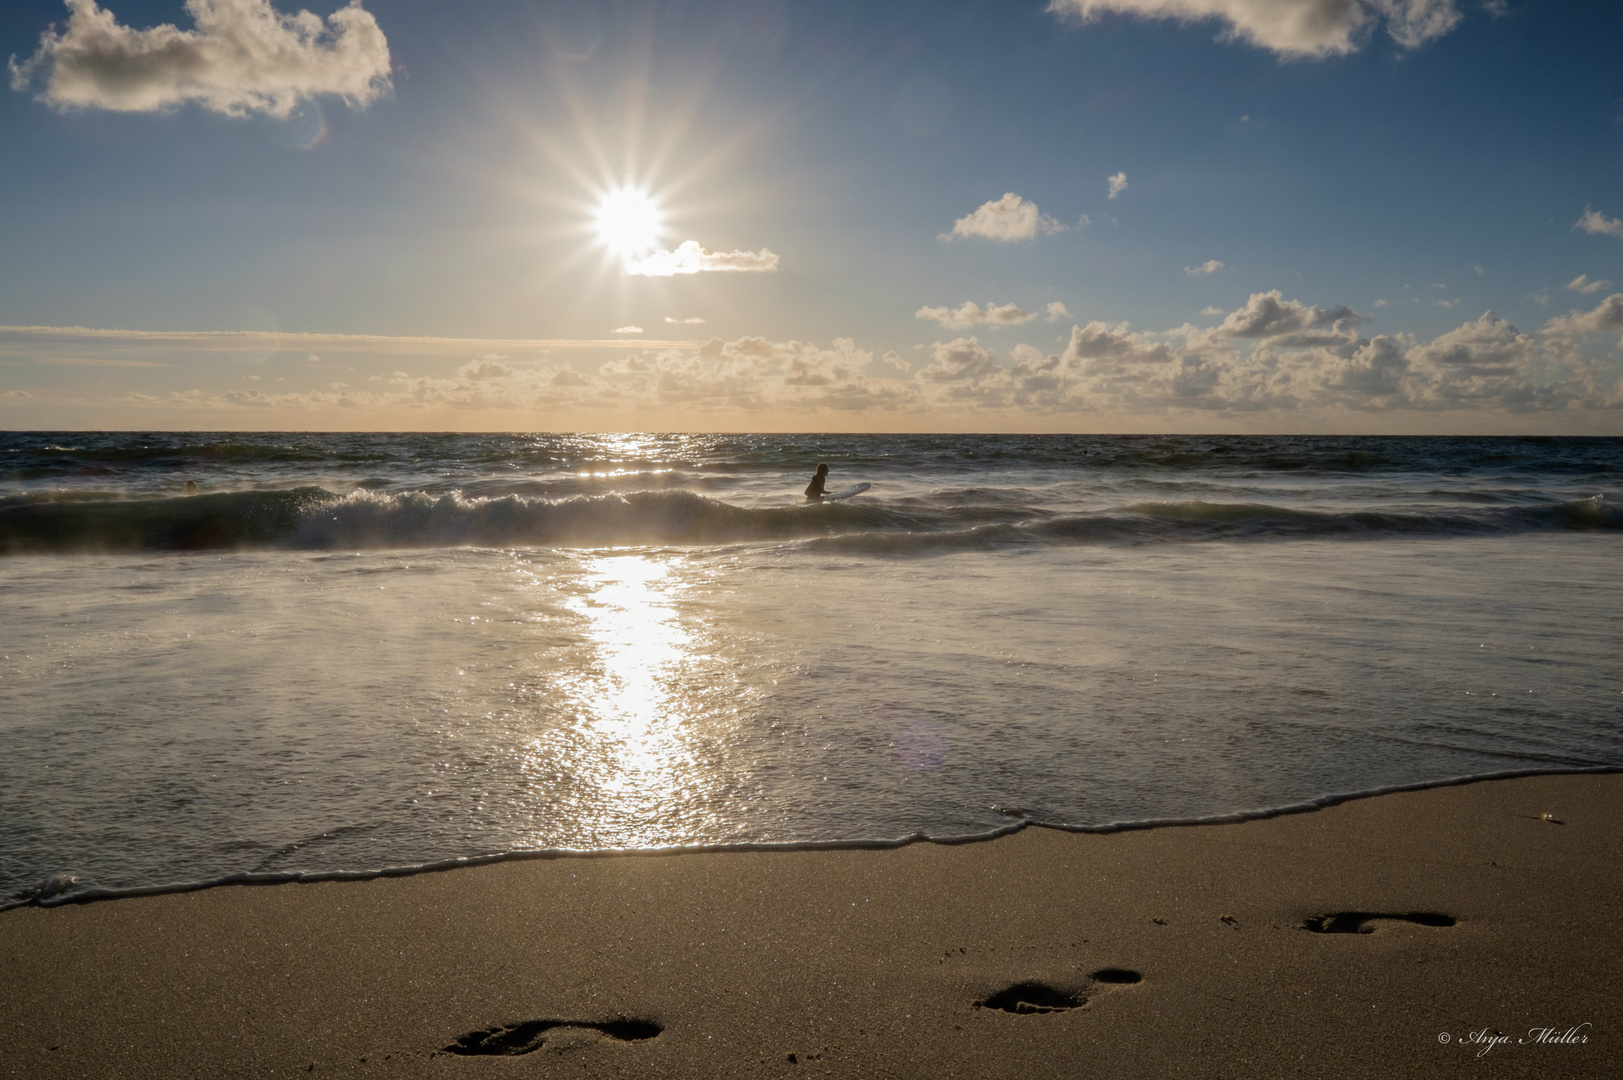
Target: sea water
{"x": 360, "y": 652}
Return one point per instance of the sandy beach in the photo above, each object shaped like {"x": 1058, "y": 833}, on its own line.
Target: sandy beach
{"x": 1467, "y": 930}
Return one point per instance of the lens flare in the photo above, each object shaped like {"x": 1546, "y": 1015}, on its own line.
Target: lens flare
{"x": 628, "y": 222}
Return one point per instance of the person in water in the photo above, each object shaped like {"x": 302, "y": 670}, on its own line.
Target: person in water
{"x": 815, "y": 489}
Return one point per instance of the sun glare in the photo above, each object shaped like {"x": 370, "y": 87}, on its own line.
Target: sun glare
{"x": 628, "y": 222}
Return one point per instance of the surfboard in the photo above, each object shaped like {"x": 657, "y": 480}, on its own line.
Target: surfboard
{"x": 854, "y": 489}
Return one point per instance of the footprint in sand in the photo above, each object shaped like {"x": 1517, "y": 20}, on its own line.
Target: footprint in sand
{"x": 1360, "y": 922}
{"x": 531, "y": 1035}
{"x": 1031, "y": 997}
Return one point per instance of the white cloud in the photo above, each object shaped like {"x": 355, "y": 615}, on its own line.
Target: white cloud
{"x": 1381, "y": 302}
{"x": 1269, "y": 315}
{"x": 1598, "y": 223}
{"x": 1118, "y": 184}
{"x": 1582, "y": 284}
{"x": 690, "y": 258}
{"x": 1291, "y": 28}
{"x": 1008, "y": 218}
{"x": 1477, "y": 268}
{"x": 1605, "y": 317}
{"x": 1445, "y": 303}
{"x": 1213, "y": 309}
{"x": 1210, "y": 266}
{"x": 1488, "y": 360}
{"x": 970, "y": 314}
{"x": 628, "y": 329}
{"x": 957, "y": 361}
{"x": 693, "y": 321}
{"x": 1055, "y": 311}
{"x": 243, "y": 57}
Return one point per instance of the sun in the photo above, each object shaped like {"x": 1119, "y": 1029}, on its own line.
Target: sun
{"x": 628, "y": 222}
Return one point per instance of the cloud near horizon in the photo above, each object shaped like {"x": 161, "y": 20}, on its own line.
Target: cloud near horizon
{"x": 1294, "y": 29}
{"x": 1006, "y": 219}
{"x": 690, "y": 258}
{"x": 970, "y": 314}
{"x": 1271, "y": 355}
{"x": 244, "y": 57}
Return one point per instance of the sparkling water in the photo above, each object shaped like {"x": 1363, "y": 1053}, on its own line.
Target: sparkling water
{"x": 350, "y": 652}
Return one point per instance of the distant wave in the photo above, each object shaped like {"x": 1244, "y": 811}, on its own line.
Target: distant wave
{"x": 37, "y": 456}
{"x": 316, "y": 519}
{"x": 1194, "y": 521}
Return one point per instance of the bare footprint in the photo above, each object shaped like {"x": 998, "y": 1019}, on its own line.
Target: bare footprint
{"x": 1359, "y": 922}
{"x": 1031, "y": 997}
{"x": 531, "y": 1035}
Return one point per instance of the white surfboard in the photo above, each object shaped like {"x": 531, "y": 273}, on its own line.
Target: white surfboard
{"x": 854, "y": 489}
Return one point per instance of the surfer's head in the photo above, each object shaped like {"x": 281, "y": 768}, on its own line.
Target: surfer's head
{"x": 822, "y": 468}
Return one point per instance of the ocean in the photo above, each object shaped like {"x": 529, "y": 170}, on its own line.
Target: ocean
{"x": 353, "y": 653}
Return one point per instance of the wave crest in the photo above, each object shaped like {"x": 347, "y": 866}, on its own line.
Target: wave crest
{"x": 317, "y": 519}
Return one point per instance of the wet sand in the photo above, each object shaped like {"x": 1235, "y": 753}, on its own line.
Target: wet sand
{"x": 1346, "y": 942}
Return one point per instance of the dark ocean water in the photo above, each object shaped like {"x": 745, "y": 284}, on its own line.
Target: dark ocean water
{"x": 347, "y": 652}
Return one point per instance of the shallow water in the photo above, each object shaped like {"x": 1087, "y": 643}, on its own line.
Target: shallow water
{"x": 962, "y": 647}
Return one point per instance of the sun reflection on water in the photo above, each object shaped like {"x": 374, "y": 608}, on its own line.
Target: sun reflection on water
{"x": 638, "y": 703}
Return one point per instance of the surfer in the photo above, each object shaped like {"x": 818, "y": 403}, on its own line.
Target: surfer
{"x": 814, "y": 490}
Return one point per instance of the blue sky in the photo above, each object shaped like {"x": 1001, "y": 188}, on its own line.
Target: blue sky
{"x": 901, "y": 216}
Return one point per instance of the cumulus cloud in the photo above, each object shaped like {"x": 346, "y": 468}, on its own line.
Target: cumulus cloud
{"x": 1118, "y": 184}
{"x": 1110, "y": 368}
{"x": 1008, "y": 218}
{"x": 1055, "y": 311}
{"x": 1605, "y": 317}
{"x": 1210, "y": 266}
{"x": 1269, "y": 315}
{"x": 690, "y": 258}
{"x": 1291, "y": 28}
{"x": 243, "y": 57}
{"x": 970, "y": 314}
{"x": 1598, "y": 223}
{"x": 693, "y": 321}
{"x": 1271, "y": 355}
{"x": 628, "y": 329}
{"x": 1582, "y": 284}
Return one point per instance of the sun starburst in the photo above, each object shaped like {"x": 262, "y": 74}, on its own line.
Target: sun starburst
{"x": 629, "y": 222}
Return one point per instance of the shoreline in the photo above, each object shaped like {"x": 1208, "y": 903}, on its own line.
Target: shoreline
{"x": 48, "y": 898}
{"x": 1340, "y": 942}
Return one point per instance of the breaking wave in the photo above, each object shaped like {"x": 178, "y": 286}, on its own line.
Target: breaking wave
{"x": 314, "y": 518}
